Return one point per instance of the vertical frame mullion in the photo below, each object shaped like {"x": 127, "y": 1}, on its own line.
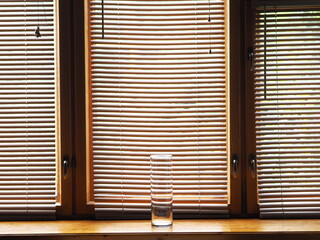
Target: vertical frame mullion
{"x": 250, "y": 138}
{"x": 64, "y": 62}
{"x": 235, "y": 104}
{"x": 82, "y": 90}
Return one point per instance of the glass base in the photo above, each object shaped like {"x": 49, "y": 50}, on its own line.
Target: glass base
{"x": 161, "y": 223}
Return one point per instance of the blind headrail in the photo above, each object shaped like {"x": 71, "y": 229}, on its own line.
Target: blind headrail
{"x": 284, "y": 3}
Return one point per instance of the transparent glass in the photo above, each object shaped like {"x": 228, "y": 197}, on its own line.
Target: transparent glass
{"x": 161, "y": 190}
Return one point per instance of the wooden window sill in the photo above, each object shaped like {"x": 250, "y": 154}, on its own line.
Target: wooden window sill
{"x": 184, "y": 229}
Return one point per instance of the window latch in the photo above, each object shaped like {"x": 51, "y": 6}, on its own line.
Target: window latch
{"x": 250, "y": 58}
{"x": 253, "y": 164}
{"x": 235, "y": 164}
{"x": 66, "y": 165}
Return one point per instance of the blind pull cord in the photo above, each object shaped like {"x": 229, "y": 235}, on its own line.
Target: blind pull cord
{"x": 120, "y": 109}
{"x": 102, "y": 16}
{"x": 209, "y": 20}
{"x": 278, "y": 120}
{"x": 37, "y": 31}
{"x": 197, "y": 102}
{"x": 265, "y": 53}
{"x": 26, "y": 105}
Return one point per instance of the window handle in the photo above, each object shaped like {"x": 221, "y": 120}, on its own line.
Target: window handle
{"x": 253, "y": 164}
{"x": 235, "y": 164}
{"x": 65, "y": 165}
{"x": 250, "y": 58}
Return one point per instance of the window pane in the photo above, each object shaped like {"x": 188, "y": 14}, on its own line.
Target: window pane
{"x": 27, "y": 109}
{"x": 158, "y": 86}
{"x": 287, "y": 104}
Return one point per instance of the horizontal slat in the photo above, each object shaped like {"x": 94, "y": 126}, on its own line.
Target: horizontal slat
{"x": 160, "y": 13}
{"x": 218, "y": 116}
{"x": 199, "y": 67}
{"x": 142, "y": 204}
{"x": 146, "y": 153}
{"x": 159, "y": 8}
{"x": 153, "y": 100}
{"x": 187, "y": 167}
{"x": 158, "y": 143}
{"x": 150, "y": 120}
{"x": 177, "y": 179}
{"x": 116, "y": 176}
{"x": 151, "y": 105}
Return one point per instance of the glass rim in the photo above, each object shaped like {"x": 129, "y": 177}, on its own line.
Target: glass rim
{"x": 161, "y": 156}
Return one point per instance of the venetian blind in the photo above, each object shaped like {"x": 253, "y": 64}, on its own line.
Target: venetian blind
{"x": 27, "y": 110}
{"x": 158, "y": 85}
{"x": 287, "y": 105}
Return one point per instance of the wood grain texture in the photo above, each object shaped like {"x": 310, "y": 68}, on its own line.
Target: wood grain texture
{"x": 144, "y": 228}
{"x": 169, "y": 237}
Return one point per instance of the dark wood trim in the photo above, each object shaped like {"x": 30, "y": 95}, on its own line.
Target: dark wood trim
{"x": 83, "y": 210}
{"x": 235, "y": 106}
{"x": 65, "y": 108}
{"x": 88, "y": 94}
{"x": 250, "y": 138}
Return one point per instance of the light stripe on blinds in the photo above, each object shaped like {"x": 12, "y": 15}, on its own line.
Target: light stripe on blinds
{"x": 287, "y": 106}
{"x": 157, "y": 89}
{"x": 27, "y": 110}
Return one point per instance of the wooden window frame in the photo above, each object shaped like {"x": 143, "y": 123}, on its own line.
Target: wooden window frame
{"x": 63, "y": 105}
{"x": 29, "y": 110}
{"x": 72, "y": 57}
{"x": 64, "y": 58}
{"x": 250, "y": 138}
{"x": 83, "y": 204}
{"x": 249, "y": 31}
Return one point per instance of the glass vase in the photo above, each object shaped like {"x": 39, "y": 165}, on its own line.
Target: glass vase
{"x": 161, "y": 190}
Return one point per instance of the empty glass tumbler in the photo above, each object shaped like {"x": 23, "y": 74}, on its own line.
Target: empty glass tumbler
{"x": 161, "y": 190}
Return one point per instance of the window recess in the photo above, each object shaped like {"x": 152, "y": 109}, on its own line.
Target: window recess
{"x": 157, "y": 85}
{"x": 28, "y": 114}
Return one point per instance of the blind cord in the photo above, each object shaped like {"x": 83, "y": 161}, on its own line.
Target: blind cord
{"x": 102, "y": 17}
{"x": 197, "y": 102}
{"x": 26, "y": 104}
{"x": 37, "y": 31}
{"x": 278, "y": 122}
{"x": 265, "y": 53}
{"x": 120, "y": 108}
{"x": 209, "y": 20}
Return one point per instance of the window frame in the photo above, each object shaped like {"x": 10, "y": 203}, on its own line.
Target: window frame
{"x": 72, "y": 56}
{"x": 84, "y": 203}
{"x": 249, "y": 33}
{"x": 249, "y": 118}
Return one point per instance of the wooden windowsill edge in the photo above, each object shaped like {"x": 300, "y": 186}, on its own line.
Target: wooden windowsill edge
{"x": 143, "y": 227}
